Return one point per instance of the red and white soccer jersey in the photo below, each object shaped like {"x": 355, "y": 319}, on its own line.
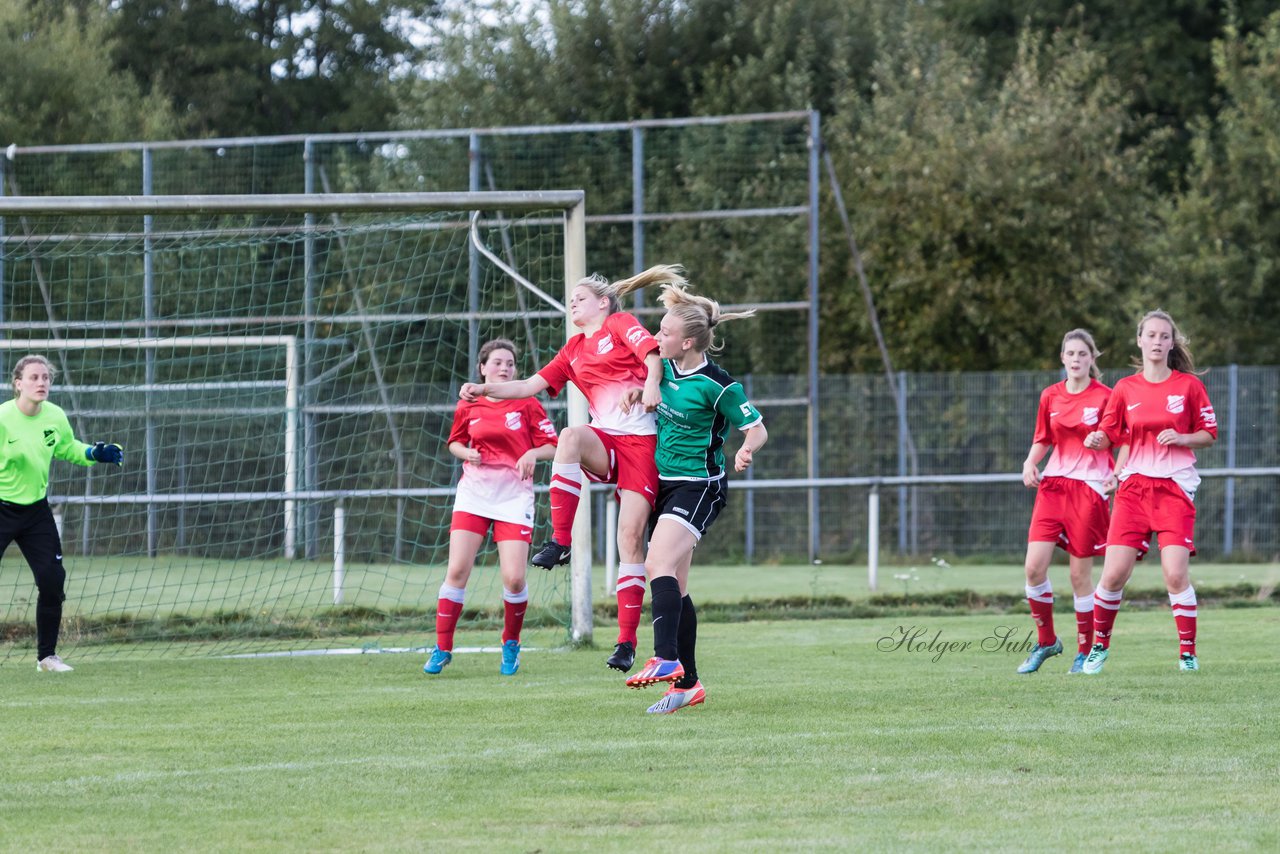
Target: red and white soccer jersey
{"x": 502, "y": 431}
{"x": 1144, "y": 409}
{"x": 605, "y": 367}
{"x": 1063, "y": 420}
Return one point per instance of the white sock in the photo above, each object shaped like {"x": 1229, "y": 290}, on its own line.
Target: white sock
{"x": 571, "y": 472}
{"x": 453, "y": 594}
{"x": 1041, "y": 592}
{"x": 631, "y": 575}
{"x": 1109, "y": 599}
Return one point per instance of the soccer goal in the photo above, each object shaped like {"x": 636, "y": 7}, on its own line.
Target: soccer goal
{"x": 282, "y": 373}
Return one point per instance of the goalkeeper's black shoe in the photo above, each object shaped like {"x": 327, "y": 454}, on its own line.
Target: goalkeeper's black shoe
{"x": 552, "y": 554}
{"x": 624, "y": 656}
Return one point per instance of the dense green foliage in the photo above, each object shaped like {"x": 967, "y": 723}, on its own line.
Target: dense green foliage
{"x": 1217, "y": 257}
{"x": 1013, "y": 169}
{"x": 58, "y": 83}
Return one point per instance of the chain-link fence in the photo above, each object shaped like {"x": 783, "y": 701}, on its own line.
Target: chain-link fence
{"x": 734, "y": 198}
{"x": 970, "y": 424}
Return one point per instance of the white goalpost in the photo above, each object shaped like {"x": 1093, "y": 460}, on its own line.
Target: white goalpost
{"x": 282, "y": 371}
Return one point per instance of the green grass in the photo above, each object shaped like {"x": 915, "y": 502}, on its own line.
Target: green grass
{"x": 812, "y": 738}
{"x": 243, "y": 605}
{"x": 760, "y": 581}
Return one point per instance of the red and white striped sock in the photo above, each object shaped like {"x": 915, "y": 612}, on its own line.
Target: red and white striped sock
{"x": 1040, "y": 598}
{"x": 566, "y": 491}
{"x": 1106, "y": 604}
{"x": 448, "y": 610}
{"x": 1184, "y": 616}
{"x": 1084, "y": 623}
{"x": 513, "y": 607}
{"x": 630, "y": 590}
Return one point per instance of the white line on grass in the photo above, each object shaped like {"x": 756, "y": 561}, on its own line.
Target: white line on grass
{"x": 463, "y": 650}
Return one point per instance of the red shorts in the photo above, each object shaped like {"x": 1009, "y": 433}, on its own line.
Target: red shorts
{"x": 502, "y": 531}
{"x": 632, "y": 464}
{"x": 1072, "y": 514}
{"x": 1146, "y": 505}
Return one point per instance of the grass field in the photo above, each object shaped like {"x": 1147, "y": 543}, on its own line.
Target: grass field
{"x": 816, "y": 735}
{"x": 165, "y": 606}
{"x": 163, "y": 584}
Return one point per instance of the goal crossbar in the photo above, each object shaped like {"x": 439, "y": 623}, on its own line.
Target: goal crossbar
{"x": 293, "y": 202}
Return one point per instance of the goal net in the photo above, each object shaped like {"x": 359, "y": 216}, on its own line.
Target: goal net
{"x": 282, "y": 372}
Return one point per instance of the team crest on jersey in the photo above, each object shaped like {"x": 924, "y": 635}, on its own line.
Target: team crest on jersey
{"x": 636, "y": 334}
{"x": 604, "y": 345}
{"x": 513, "y": 420}
{"x": 1176, "y": 403}
{"x": 1090, "y": 416}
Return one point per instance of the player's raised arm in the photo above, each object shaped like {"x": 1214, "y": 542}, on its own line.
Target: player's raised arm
{"x": 510, "y": 390}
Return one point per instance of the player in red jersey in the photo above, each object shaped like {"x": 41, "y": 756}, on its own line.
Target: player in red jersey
{"x": 613, "y": 354}
{"x": 499, "y": 443}
{"x": 1071, "y": 497}
{"x": 1166, "y": 414}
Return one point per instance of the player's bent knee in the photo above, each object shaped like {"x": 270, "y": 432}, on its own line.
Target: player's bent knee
{"x": 569, "y": 444}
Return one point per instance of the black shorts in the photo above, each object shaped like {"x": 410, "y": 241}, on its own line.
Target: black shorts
{"x": 693, "y": 503}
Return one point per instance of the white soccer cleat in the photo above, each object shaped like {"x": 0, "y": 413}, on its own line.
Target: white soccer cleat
{"x": 53, "y": 664}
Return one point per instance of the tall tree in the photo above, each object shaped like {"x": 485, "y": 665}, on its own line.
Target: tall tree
{"x": 505, "y": 62}
{"x": 60, "y": 85}
{"x": 990, "y": 224}
{"x": 1158, "y": 50}
{"x": 200, "y": 55}
{"x": 1218, "y": 260}
{"x": 274, "y": 66}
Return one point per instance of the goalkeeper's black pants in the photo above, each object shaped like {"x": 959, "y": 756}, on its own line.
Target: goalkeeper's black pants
{"x": 32, "y": 527}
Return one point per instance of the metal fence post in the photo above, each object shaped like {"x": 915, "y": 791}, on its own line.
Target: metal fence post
{"x": 1229, "y": 498}
{"x": 148, "y": 315}
{"x": 749, "y": 510}
{"x": 815, "y": 153}
{"x": 900, "y": 404}
{"x": 873, "y": 536}
{"x": 473, "y": 255}
{"x": 339, "y": 550}
{"x": 311, "y": 466}
{"x": 4, "y": 177}
{"x": 637, "y": 208}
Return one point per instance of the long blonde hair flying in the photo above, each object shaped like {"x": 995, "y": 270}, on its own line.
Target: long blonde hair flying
{"x": 660, "y": 274}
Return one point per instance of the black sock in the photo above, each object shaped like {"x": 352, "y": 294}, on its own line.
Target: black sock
{"x": 48, "y": 620}
{"x": 664, "y": 593}
{"x": 686, "y": 640}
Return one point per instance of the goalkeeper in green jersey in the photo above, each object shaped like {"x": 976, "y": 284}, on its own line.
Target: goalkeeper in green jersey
{"x": 700, "y": 402}
{"x": 32, "y": 432}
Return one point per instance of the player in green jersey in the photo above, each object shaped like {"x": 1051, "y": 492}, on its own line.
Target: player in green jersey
{"x": 700, "y": 402}
{"x": 32, "y": 432}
